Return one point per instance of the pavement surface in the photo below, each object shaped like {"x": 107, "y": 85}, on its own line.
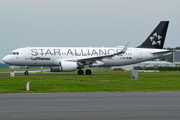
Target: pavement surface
{"x": 57, "y": 75}
{"x": 91, "y": 106}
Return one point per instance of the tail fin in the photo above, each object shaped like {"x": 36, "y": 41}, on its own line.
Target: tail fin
{"x": 157, "y": 37}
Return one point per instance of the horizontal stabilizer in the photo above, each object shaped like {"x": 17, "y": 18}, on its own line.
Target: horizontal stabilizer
{"x": 163, "y": 52}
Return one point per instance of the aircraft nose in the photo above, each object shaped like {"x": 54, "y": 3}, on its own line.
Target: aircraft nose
{"x": 5, "y": 59}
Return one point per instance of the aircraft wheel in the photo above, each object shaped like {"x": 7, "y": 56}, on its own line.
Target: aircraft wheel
{"x": 80, "y": 72}
{"x": 26, "y": 72}
{"x": 88, "y": 72}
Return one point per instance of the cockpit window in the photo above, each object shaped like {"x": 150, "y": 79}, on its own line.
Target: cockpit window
{"x": 14, "y": 53}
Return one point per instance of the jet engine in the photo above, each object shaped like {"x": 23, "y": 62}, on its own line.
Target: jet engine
{"x": 64, "y": 66}
{"x": 54, "y": 69}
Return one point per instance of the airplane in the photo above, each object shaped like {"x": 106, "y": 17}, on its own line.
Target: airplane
{"x": 68, "y": 59}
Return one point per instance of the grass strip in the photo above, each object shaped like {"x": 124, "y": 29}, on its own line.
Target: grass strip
{"x": 116, "y": 82}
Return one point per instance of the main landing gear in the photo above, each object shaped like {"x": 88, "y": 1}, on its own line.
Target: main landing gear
{"x": 88, "y": 72}
{"x": 26, "y": 72}
{"x": 81, "y": 72}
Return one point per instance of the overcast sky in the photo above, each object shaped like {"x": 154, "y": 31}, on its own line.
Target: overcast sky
{"x": 63, "y": 23}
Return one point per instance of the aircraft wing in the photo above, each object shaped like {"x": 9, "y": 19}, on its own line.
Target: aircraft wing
{"x": 93, "y": 59}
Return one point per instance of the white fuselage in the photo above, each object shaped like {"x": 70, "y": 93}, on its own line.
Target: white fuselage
{"x": 50, "y": 56}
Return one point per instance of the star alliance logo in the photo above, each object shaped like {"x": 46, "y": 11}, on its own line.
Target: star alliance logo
{"x": 156, "y": 39}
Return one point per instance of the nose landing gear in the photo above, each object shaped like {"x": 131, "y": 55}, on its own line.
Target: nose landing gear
{"x": 26, "y": 72}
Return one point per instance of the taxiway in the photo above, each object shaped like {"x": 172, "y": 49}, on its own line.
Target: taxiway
{"x": 91, "y": 106}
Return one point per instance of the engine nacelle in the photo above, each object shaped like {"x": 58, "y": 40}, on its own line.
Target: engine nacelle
{"x": 68, "y": 66}
{"x": 54, "y": 69}
{"x": 64, "y": 66}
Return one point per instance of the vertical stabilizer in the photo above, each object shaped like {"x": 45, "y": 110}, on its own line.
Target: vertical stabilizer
{"x": 157, "y": 37}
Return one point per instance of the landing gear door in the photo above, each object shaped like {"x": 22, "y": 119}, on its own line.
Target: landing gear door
{"x": 139, "y": 54}
{"x": 27, "y": 54}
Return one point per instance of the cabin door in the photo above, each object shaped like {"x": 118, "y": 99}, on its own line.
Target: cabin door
{"x": 139, "y": 54}
{"x": 27, "y": 54}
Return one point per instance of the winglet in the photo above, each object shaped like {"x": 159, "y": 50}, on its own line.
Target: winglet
{"x": 123, "y": 50}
